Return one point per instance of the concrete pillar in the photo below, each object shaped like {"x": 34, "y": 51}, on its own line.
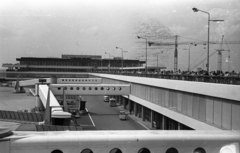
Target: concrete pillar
{"x": 143, "y": 113}
{"x": 163, "y": 122}
{"x": 179, "y": 126}
{"x": 36, "y": 89}
{"x": 117, "y": 99}
{"x": 129, "y": 104}
{"x": 124, "y": 102}
{"x": 135, "y": 109}
{"x": 64, "y": 101}
{"x": 120, "y": 100}
{"x": 151, "y": 118}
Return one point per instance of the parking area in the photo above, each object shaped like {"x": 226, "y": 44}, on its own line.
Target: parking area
{"x": 102, "y": 116}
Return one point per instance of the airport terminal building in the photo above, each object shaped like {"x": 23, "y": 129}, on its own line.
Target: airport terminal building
{"x": 72, "y": 63}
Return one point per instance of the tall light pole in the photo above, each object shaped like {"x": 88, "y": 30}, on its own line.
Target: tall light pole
{"x": 146, "y": 52}
{"x": 108, "y": 61}
{"x": 122, "y": 56}
{"x": 196, "y": 10}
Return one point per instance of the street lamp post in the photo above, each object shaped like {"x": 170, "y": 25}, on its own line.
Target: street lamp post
{"x": 196, "y": 10}
{"x": 146, "y": 52}
{"x": 108, "y": 61}
{"x": 122, "y": 56}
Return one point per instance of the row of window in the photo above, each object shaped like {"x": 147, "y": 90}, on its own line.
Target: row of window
{"x": 89, "y": 63}
{"x": 142, "y": 150}
{"x": 79, "y": 80}
{"x": 90, "y": 88}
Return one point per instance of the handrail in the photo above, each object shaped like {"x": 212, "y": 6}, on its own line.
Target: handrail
{"x": 233, "y": 80}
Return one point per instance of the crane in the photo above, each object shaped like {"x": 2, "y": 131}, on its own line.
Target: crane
{"x": 186, "y": 43}
{"x": 220, "y": 50}
{"x": 203, "y": 60}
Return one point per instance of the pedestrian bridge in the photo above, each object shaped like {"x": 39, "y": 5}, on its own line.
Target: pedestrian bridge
{"x": 32, "y": 82}
{"x": 195, "y": 104}
{"x": 56, "y": 110}
{"x": 46, "y": 94}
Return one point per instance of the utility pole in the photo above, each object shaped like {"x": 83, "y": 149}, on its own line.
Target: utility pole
{"x": 176, "y": 54}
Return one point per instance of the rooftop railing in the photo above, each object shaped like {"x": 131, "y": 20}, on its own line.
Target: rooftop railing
{"x": 233, "y": 80}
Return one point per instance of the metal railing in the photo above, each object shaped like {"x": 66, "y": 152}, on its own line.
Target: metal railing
{"x": 233, "y": 80}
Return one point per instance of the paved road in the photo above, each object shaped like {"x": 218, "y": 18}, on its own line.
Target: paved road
{"x": 105, "y": 117}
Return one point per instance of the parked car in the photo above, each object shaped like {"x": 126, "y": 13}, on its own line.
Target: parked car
{"x": 122, "y": 115}
{"x": 106, "y": 98}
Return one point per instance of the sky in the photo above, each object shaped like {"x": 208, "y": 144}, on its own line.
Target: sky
{"x": 50, "y": 28}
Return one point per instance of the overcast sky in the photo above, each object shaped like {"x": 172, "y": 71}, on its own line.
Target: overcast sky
{"x": 49, "y": 28}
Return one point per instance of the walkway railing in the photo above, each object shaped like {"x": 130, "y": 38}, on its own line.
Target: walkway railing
{"x": 198, "y": 78}
{"x": 234, "y": 80}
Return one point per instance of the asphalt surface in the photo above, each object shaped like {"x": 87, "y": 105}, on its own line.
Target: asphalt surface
{"x": 101, "y": 116}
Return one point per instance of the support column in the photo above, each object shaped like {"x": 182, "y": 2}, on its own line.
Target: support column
{"x": 143, "y": 113}
{"x": 117, "y": 100}
{"x": 152, "y": 118}
{"x": 124, "y": 103}
{"x": 64, "y": 101}
{"x": 38, "y": 102}
{"x": 129, "y": 105}
{"x": 163, "y": 122}
{"x": 120, "y": 100}
{"x": 179, "y": 126}
{"x": 135, "y": 109}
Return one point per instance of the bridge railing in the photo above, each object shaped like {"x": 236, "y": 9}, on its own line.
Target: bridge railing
{"x": 234, "y": 80}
